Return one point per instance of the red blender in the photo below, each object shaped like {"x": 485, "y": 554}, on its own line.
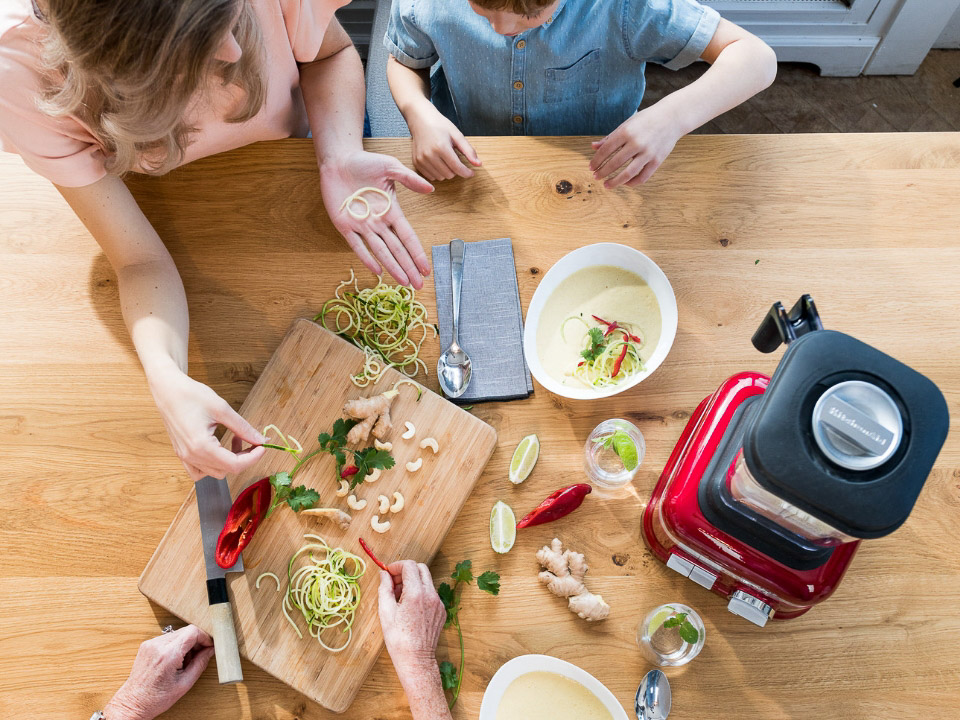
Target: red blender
{"x": 775, "y": 481}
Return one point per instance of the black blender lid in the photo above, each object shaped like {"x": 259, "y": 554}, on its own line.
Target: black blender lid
{"x": 846, "y": 433}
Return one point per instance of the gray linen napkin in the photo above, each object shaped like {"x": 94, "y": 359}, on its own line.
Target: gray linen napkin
{"x": 491, "y": 322}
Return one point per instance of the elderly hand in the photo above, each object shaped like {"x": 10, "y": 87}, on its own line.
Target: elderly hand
{"x": 388, "y": 240}
{"x": 166, "y": 667}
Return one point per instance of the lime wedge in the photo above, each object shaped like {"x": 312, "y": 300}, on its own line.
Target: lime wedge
{"x": 524, "y": 458}
{"x": 503, "y": 527}
{"x": 658, "y": 619}
{"x": 624, "y": 446}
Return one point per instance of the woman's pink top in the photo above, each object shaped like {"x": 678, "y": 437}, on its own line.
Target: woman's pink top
{"x": 64, "y": 151}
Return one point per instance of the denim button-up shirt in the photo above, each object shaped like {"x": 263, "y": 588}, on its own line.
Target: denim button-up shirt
{"x": 581, "y": 73}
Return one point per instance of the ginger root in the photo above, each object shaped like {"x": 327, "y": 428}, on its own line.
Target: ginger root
{"x": 563, "y": 575}
{"x": 373, "y": 414}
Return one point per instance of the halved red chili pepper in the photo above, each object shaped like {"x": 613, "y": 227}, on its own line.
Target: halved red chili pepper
{"x": 242, "y": 521}
{"x": 562, "y": 502}
{"x": 623, "y": 354}
{"x": 349, "y": 471}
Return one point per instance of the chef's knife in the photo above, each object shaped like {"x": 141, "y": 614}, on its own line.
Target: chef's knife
{"x": 213, "y": 503}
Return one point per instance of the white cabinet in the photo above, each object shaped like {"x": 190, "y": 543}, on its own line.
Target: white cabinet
{"x": 845, "y": 37}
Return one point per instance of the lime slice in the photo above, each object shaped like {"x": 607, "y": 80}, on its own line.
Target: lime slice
{"x": 503, "y": 527}
{"x": 524, "y": 458}
{"x": 624, "y": 446}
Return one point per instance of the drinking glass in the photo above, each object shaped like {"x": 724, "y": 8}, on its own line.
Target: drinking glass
{"x": 666, "y": 646}
{"x": 601, "y": 461}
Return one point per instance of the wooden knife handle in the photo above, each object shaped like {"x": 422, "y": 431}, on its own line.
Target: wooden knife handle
{"x": 225, "y": 640}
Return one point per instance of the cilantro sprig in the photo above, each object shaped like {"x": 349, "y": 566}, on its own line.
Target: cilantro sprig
{"x": 298, "y": 498}
{"x": 462, "y": 575}
{"x": 596, "y": 346}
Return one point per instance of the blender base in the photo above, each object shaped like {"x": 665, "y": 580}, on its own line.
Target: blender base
{"x": 676, "y": 531}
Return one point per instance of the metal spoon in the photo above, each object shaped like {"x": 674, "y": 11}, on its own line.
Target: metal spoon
{"x": 653, "y": 697}
{"x": 453, "y": 368}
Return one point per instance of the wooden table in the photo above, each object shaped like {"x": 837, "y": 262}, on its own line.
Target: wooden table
{"x": 867, "y": 224}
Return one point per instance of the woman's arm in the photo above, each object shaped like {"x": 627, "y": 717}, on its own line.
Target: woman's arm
{"x": 154, "y": 309}
{"x": 333, "y": 92}
{"x": 741, "y": 65}
{"x": 435, "y": 139}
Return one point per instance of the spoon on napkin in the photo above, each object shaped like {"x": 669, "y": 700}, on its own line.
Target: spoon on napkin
{"x": 454, "y": 368}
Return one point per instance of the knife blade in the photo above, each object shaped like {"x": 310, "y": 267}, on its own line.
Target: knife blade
{"x": 213, "y": 504}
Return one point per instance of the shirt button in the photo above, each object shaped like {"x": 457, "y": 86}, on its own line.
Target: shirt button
{"x": 518, "y": 85}
{"x": 521, "y": 44}
{"x": 518, "y": 119}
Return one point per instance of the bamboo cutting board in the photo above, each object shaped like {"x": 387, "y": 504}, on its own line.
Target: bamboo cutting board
{"x": 302, "y": 390}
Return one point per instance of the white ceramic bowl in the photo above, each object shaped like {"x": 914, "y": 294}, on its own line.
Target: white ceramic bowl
{"x": 619, "y": 256}
{"x": 524, "y": 664}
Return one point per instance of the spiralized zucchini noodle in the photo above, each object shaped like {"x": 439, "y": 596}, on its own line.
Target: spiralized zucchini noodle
{"x": 358, "y": 197}
{"x": 325, "y": 589}
{"x": 599, "y": 372}
{"x": 386, "y": 321}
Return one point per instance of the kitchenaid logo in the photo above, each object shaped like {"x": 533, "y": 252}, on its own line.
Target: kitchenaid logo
{"x": 852, "y": 423}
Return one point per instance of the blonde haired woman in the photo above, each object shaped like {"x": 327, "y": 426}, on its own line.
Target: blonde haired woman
{"x": 93, "y": 89}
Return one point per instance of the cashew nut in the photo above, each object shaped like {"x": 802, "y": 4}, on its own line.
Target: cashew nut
{"x": 397, "y": 503}
{"x": 414, "y": 466}
{"x": 411, "y": 431}
{"x": 430, "y": 443}
{"x": 384, "y": 503}
{"x": 344, "y": 489}
{"x": 373, "y": 476}
{"x": 380, "y": 527}
{"x": 388, "y": 446}
{"x": 356, "y": 504}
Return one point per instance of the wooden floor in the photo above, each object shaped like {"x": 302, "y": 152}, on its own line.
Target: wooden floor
{"x": 800, "y": 101}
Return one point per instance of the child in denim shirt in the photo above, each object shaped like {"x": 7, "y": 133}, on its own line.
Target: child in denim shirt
{"x": 563, "y": 67}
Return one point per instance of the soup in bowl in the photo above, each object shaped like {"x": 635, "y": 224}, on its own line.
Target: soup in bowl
{"x": 540, "y": 687}
{"x": 602, "y": 319}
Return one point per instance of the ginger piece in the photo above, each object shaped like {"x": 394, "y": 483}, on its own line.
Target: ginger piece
{"x": 336, "y": 515}
{"x": 563, "y": 575}
{"x": 374, "y": 415}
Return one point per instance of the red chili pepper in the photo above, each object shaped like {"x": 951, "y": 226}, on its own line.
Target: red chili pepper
{"x": 349, "y": 471}
{"x": 623, "y": 354}
{"x": 242, "y": 521}
{"x": 562, "y": 502}
{"x": 368, "y": 551}
{"x": 611, "y": 326}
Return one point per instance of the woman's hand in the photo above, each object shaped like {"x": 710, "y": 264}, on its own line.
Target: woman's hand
{"x": 436, "y": 141}
{"x": 388, "y": 239}
{"x": 191, "y": 412}
{"x": 635, "y": 149}
{"x": 165, "y": 668}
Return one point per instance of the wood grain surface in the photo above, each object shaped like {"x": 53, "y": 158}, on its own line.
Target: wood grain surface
{"x": 302, "y": 390}
{"x": 866, "y": 223}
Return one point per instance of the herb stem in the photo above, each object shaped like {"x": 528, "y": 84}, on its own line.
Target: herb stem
{"x": 302, "y": 460}
{"x": 456, "y": 691}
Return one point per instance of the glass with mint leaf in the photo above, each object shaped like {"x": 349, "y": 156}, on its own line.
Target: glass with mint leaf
{"x": 671, "y": 635}
{"x": 613, "y": 453}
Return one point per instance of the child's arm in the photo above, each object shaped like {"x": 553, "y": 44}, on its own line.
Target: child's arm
{"x": 741, "y": 66}
{"x": 333, "y": 93}
{"x": 435, "y": 139}
{"x": 154, "y": 309}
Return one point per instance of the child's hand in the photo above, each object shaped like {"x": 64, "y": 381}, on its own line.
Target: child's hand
{"x": 436, "y": 141}
{"x": 635, "y": 149}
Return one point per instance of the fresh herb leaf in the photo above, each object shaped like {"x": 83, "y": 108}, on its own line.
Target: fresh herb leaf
{"x": 338, "y": 438}
{"x": 671, "y": 622}
{"x": 368, "y": 460}
{"x": 448, "y": 597}
{"x": 596, "y": 340}
{"x": 757, "y": 261}
{"x": 302, "y": 498}
{"x": 688, "y": 633}
{"x": 489, "y": 582}
{"x": 463, "y": 572}
{"x": 448, "y": 675}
